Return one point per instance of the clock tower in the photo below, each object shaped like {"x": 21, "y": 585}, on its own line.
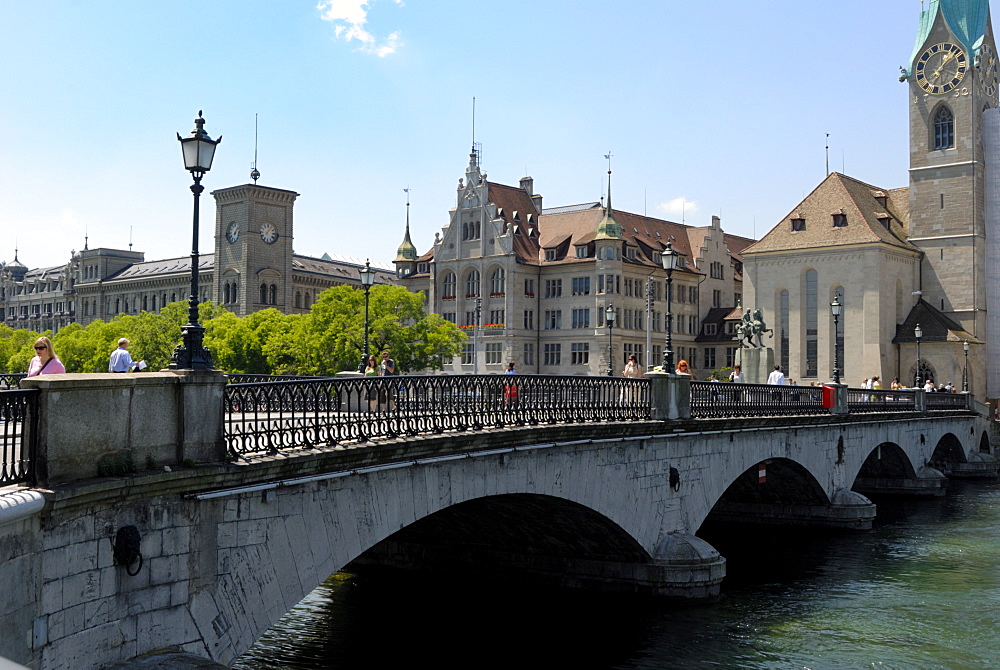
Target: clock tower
{"x": 253, "y": 248}
{"x": 952, "y": 80}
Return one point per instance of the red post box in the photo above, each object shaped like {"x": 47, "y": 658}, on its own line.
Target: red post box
{"x": 829, "y": 399}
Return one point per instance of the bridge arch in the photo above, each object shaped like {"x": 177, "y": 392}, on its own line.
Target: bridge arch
{"x": 947, "y": 452}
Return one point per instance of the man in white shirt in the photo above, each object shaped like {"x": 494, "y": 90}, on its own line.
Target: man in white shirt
{"x": 121, "y": 360}
{"x": 776, "y": 377}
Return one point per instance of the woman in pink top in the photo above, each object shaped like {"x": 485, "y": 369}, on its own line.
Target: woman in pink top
{"x": 45, "y": 361}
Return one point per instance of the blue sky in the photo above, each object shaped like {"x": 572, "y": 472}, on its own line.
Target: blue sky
{"x": 721, "y": 105}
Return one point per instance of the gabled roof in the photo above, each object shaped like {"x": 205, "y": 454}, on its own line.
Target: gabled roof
{"x": 857, "y": 201}
{"x": 934, "y": 327}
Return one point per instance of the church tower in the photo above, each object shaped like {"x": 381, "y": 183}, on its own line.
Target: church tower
{"x": 952, "y": 79}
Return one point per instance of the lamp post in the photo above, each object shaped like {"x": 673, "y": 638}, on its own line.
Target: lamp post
{"x": 198, "y": 151}
{"x": 965, "y": 372}
{"x": 367, "y": 280}
{"x": 669, "y": 260}
{"x": 836, "y": 309}
{"x": 917, "y": 333}
{"x": 609, "y": 316}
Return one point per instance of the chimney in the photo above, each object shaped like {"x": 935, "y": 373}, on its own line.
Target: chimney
{"x": 528, "y": 184}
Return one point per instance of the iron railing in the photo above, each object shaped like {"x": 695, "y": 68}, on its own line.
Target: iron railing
{"x": 271, "y": 416}
{"x": 725, "y": 399}
{"x": 945, "y": 400}
{"x": 248, "y": 378}
{"x": 10, "y": 380}
{"x": 18, "y": 436}
{"x": 876, "y": 400}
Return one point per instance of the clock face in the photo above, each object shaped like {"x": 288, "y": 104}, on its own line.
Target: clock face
{"x": 940, "y": 68}
{"x": 233, "y": 232}
{"x": 988, "y": 69}
{"x": 268, "y": 233}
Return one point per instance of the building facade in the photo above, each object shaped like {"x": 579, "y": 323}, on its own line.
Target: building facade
{"x": 533, "y": 285}
{"x": 903, "y": 257}
{"x": 253, "y": 267}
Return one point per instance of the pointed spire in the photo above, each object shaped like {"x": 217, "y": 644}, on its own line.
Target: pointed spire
{"x": 609, "y": 228}
{"x": 406, "y": 250}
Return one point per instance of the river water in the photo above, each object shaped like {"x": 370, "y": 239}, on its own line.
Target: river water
{"x": 920, "y": 591}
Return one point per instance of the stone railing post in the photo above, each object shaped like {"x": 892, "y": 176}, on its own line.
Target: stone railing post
{"x": 920, "y": 401}
{"x": 99, "y": 425}
{"x": 839, "y": 399}
{"x": 670, "y": 396}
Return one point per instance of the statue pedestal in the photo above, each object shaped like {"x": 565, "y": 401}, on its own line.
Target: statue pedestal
{"x": 755, "y": 363}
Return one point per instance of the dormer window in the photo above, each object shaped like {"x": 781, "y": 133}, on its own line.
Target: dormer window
{"x": 880, "y": 198}
{"x": 798, "y": 224}
{"x": 581, "y": 251}
{"x": 839, "y": 219}
{"x": 551, "y": 254}
{"x": 630, "y": 253}
{"x": 884, "y": 219}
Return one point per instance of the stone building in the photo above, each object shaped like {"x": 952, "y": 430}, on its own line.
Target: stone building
{"x": 897, "y": 258}
{"x": 539, "y": 281}
{"x": 253, "y": 267}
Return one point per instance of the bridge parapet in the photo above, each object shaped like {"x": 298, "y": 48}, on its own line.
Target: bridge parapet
{"x": 93, "y": 425}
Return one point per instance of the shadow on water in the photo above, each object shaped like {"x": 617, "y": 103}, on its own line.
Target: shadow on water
{"x": 921, "y": 590}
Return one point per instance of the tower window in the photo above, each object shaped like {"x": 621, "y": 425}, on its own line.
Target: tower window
{"x": 839, "y": 220}
{"x": 798, "y": 224}
{"x": 944, "y": 129}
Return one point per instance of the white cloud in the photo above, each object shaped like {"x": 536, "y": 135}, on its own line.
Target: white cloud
{"x": 678, "y": 206}
{"x": 349, "y": 18}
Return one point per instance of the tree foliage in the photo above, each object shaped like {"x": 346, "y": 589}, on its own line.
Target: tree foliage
{"x": 327, "y": 340}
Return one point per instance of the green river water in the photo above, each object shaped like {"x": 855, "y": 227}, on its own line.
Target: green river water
{"x": 922, "y": 590}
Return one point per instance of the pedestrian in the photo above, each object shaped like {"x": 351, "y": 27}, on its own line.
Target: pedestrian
{"x": 895, "y": 385}
{"x": 371, "y": 370}
{"x": 777, "y": 377}
{"x": 45, "y": 361}
{"x": 682, "y": 368}
{"x": 929, "y": 386}
{"x": 510, "y": 388}
{"x": 632, "y": 368}
{"x": 121, "y": 359}
{"x": 736, "y": 376}
{"x": 387, "y": 369}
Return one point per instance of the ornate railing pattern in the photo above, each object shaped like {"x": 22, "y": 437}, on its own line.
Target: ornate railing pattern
{"x": 306, "y": 413}
{"x": 725, "y": 399}
{"x": 245, "y": 378}
{"x": 10, "y": 380}
{"x": 874, "y": 400}
{"x": 18, "y": 431}
{"x": 945, "y": 400}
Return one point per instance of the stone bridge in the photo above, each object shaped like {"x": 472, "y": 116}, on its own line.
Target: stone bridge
{"x": 229, "y": 547}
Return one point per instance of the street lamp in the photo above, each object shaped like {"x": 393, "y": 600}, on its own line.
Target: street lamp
{"x": 836, "y": 309}
{"x": 965, "y": 372}
{"x": 669, "y": 260}
{"x": 917, "y": 333}
{"x": 367, "y": 280}
{"x": 198, "y": 151}
{"x": 609, "y": 316}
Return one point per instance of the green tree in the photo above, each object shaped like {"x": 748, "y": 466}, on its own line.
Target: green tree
{"x": 331, "y": 338}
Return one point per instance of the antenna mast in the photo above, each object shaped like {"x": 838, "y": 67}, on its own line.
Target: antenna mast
{"x": 827, "y": 155}
{"x": 254, "y": 173}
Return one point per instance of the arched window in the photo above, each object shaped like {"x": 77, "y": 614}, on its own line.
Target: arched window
{"x": 118, "y": 305}
{"x": 263, "y": 294}
{"x": 145, "y": 303}
{"x": 472, "y": 283}
{"x": 274, "y": 294}
{"x": 812, "y": 324}
{"x": 498, "y": 281}
{"x": 448, "y": 286}
{"x": 225, "y": 294}
{"x": 944, "y": 128}
{"x": 235, "y": 288}
{"x": 298, "y": 299}
{"x": 153, "y": 301}
{"x": 173, "y": 297}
